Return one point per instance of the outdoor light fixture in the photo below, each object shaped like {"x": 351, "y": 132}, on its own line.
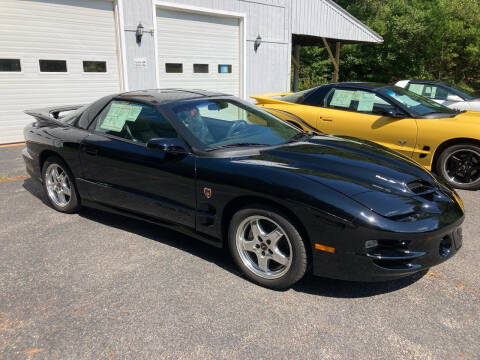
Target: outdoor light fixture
{"x": 257, "y": 43}
{"x": 139, "y": 32}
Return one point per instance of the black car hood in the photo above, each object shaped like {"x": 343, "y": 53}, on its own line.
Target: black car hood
{"x": 380, "y": 179}
{"x": 349, "y": 165}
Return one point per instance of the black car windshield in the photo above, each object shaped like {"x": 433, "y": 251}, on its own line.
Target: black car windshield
{"x": 467, "y": 95}
{"x": 416, "y": 104}
{"x": 226, "y": 123}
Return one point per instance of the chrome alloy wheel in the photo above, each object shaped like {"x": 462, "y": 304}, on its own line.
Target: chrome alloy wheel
{"x": 264, "y": 247}
{"x": 58, "y": 185}
{"x": 463, "y": 166}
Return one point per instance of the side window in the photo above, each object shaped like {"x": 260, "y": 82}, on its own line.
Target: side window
{"x": 429, "y": 90}
{"x": 358, "y": 101}
{"x": 133, "y": 121}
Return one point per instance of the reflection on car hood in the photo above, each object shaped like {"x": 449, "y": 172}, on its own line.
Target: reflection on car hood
{"x": 348, "y": 165}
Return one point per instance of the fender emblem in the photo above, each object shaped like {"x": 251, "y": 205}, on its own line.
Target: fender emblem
{"x": 402, "y": 142}
{"x": 207, "y": 192}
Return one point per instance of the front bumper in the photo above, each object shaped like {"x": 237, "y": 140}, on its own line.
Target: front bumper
{"x": 406, "y": 254}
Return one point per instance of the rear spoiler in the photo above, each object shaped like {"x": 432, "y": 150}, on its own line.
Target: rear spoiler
{"x": 51, "y": 114}
{"x": 270, "y": 98}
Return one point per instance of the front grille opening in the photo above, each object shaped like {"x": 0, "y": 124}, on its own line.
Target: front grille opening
{"x": 396, "y": 265}
{"x": 445, "y": 247}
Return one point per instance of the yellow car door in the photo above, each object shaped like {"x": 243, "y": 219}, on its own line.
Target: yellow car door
{"x": 305, "y": 116}
{"x": 364, "y": 114}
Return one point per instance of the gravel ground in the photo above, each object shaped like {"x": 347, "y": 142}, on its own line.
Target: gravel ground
{"x": 99, "y": 286}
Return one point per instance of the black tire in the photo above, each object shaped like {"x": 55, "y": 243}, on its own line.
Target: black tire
{"x": 462, "y": 151}
{"x": 73, "y": 203}
{"x": 297, "y": 251}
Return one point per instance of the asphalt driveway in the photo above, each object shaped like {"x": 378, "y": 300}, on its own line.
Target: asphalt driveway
{"x": 100, "y": 286}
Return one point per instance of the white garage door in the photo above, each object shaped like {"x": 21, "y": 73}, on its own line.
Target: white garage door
{"x": 197, "y": 51}
{"x": 54, "y": 52}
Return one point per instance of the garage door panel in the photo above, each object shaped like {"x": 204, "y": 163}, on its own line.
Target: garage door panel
{"x": 192, "y": 38}
{"x": 70, "y": 30}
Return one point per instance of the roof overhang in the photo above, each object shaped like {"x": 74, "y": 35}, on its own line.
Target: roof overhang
{"x": 314, "y": 19}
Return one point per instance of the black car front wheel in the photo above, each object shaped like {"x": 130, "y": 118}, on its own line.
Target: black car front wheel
{"x": 459, "y": 165}
{"x": 267, "y": 247}
{"x": 59, "y": 186}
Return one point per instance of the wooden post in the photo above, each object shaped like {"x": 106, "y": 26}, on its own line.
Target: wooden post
{"x": 296, "y": 66}
{"x": 337, "y": 61}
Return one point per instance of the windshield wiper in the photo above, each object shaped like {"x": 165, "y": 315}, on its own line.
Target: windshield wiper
{"x": 241, "y": 144}
{"x": 300, "y": 136}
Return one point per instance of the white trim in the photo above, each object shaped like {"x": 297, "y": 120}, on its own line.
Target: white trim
{"x": 118, "y": 8}
{"x": 155, "y": 43}
{"x": 207, "y": 11}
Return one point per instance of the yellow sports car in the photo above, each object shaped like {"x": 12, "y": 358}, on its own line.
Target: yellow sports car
{"x": 443, "y": 140}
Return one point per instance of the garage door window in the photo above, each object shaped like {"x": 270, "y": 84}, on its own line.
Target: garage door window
{"x": 173, "y": 68}
{"x": 200, "y": 68}
{"x": 224, "y": 68}
{"x": 95, "y": 66}
{"x": 53, "y": 65}
{"x": 10, "y": 65}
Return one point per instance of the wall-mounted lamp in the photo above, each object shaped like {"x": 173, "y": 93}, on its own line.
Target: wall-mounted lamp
{"x": 139, "y": 32}
{"x": 257, "y": 43}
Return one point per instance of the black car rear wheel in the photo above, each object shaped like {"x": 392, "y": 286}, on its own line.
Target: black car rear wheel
{"x": 267, "y": 247}
{"x": 59, "y": 186}
{"x": 459, "y": 165}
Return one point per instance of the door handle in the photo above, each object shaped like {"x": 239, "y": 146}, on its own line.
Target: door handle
{"x": 326, "y": 119}
{"x": 90, "y": 151}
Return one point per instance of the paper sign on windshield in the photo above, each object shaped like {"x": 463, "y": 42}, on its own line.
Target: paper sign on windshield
{"x": 366, "y": 101}
{"x": 416, "y": 88}
{"x": 118, "y": 114}
{"x": 342, "y": 98}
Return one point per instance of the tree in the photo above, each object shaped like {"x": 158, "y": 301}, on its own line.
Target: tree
{"x": 423, "y": 39}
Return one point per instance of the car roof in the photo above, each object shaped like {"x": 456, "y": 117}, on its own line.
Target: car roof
{"x": 427, "y": 82}
{"x": 165, "y": 96}
{"x": 360, "y": 85}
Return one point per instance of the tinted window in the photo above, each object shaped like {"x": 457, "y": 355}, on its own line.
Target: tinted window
{"x": 173, "y": 68}
{"x": 429, "y": 91}
{"x": 92, "y": 111}
{"x": 295, "y": 97}
{"x": 53, "y": 65}
{"x": 133, "y": 121}
{"x": 357, "y": 100}
{"x": 10, "y": 65}
{"x": 200, "y": 68}
{"x": 217, "y": 123}
{"x": 416, "y": 104}
{"x": 464, "y": 93}
{"x": 94, "y": 66}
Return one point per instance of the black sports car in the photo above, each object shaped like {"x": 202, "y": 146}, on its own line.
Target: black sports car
{"x": 228, "y": 173}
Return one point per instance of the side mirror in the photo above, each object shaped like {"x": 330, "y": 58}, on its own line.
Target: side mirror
{"x": 454, "y": 98}
{"x": 394, "y": 113}
{"x": 172, "y": 146}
